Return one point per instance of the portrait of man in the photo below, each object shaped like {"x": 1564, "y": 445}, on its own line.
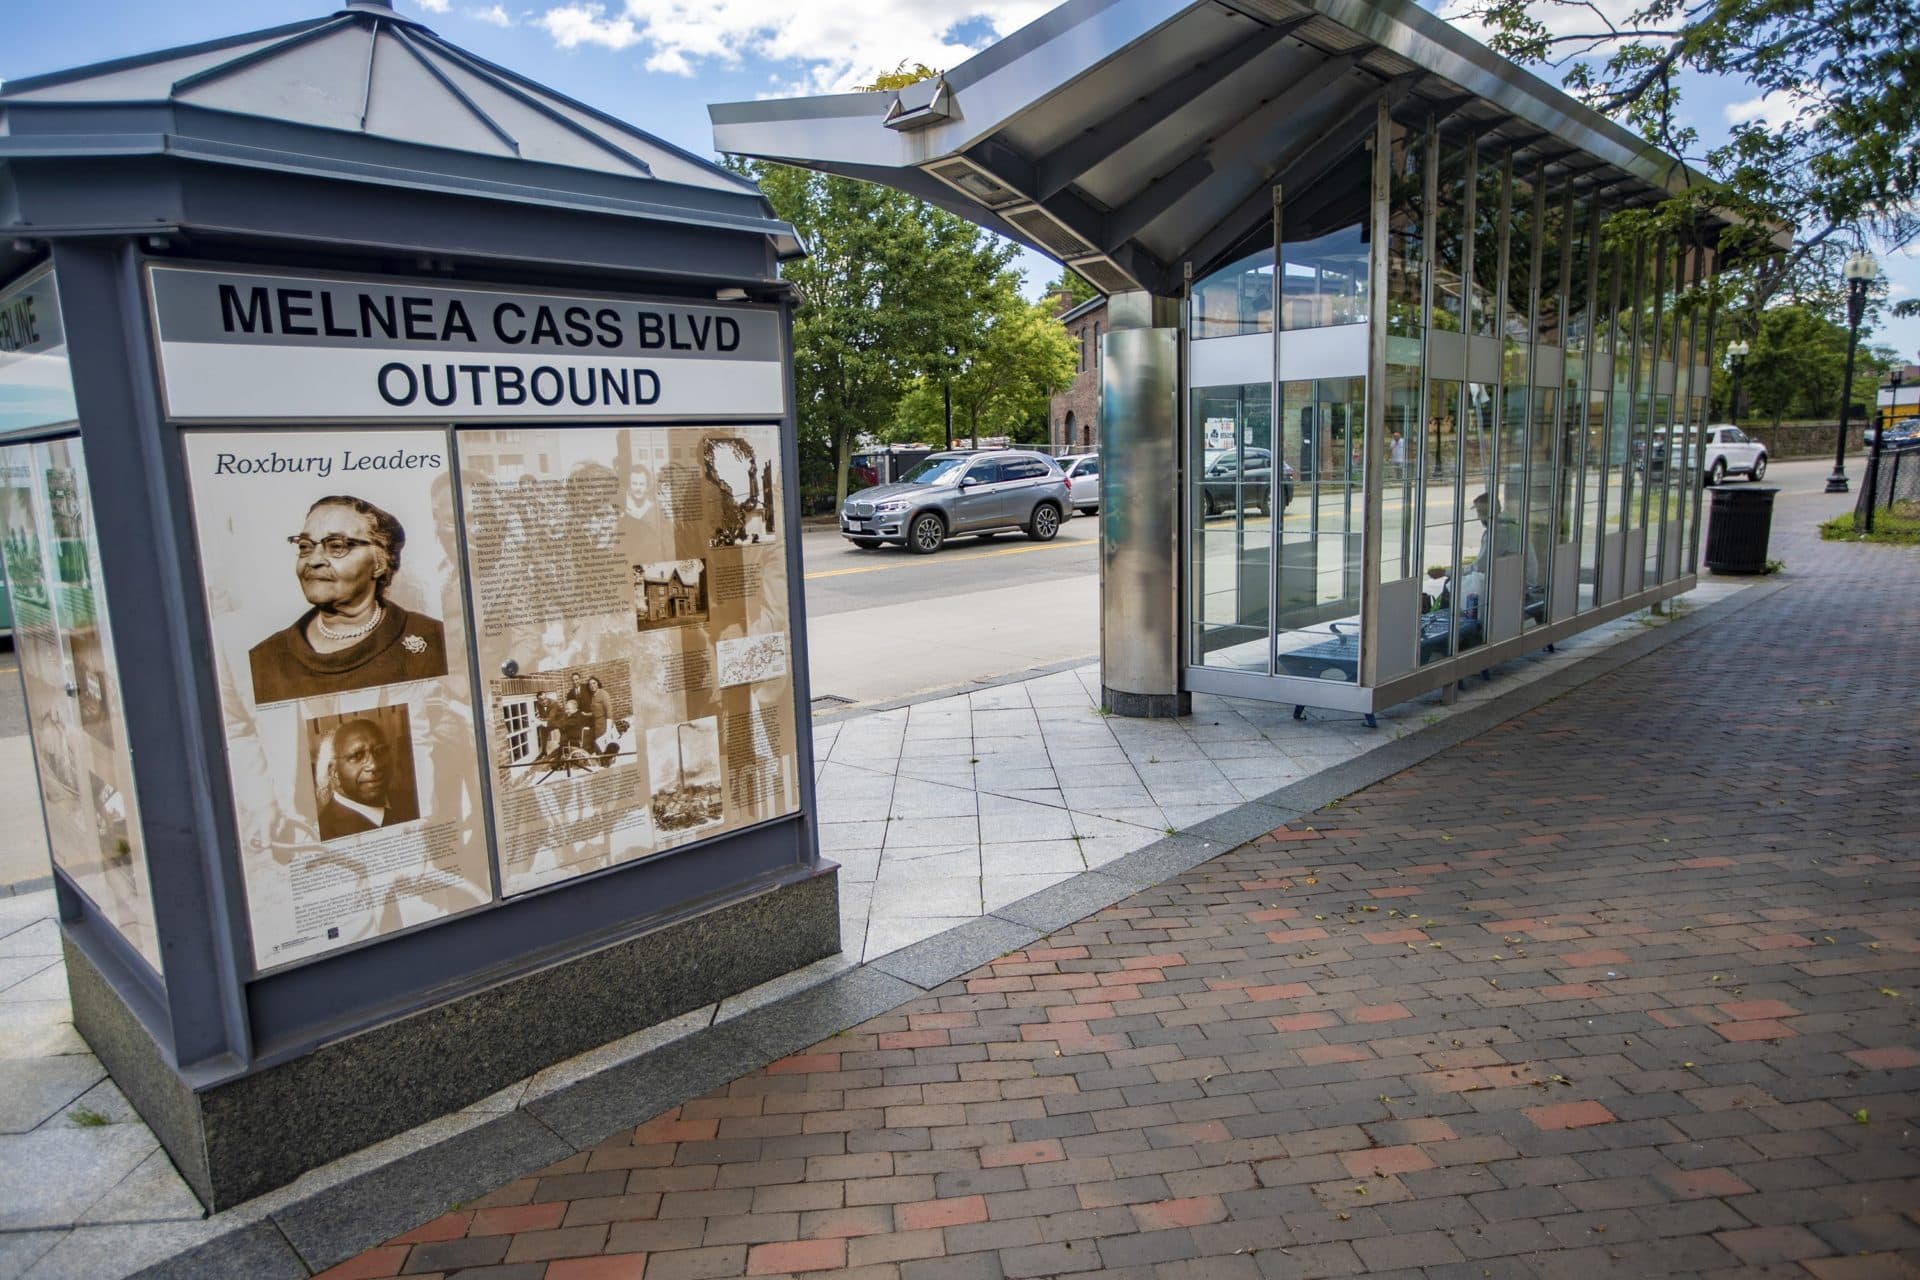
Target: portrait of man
{"x": 360, "y": 782}
{"x": 353, "y": 635}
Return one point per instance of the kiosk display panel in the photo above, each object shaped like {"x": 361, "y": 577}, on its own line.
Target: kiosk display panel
{"x": 630, "y": 594}
{"x": 335, "y": 592}
{"x": 71, "y": 676}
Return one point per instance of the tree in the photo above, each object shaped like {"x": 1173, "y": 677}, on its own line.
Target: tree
{"x": 1797, "y": 364}
{"x": 1843, "y": 169}
{"x": 1074, "y": 286}
{"x": 890, "y": 290}
{"x": 1001, "y": 378}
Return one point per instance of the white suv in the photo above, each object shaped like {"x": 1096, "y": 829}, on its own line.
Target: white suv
{"x": 1731, "y": 449}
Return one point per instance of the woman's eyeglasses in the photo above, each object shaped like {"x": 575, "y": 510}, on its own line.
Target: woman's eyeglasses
{"x": 336, "y": 545}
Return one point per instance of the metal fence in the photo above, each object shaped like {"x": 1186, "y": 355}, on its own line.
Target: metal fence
{"x": 1892, "y": 485}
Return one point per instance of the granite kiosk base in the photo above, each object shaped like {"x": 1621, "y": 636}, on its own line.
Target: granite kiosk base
{"x": 234, "y": 1136}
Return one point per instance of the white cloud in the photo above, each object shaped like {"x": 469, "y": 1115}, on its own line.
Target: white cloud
{"x": 832, "y": 47}
{"x": 1775, "y": 110}
{"x": 576, "y": 24}
{"x": 493, "y": 14}
{"x": 434, "y": 6}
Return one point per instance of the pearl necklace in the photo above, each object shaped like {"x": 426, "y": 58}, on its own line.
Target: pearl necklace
{"x": 379, "y": 612}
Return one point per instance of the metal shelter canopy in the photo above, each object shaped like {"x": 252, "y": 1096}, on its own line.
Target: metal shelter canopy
{"x": 366, "y": 95}
{"x": 1127, "y": 137}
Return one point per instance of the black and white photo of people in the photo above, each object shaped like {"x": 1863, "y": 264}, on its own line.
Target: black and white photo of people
{"x": 352, "y": 635}
{"x": 571, "y": 720}
{"x": 577, "y": 728}
{"x": 363, "y": 772}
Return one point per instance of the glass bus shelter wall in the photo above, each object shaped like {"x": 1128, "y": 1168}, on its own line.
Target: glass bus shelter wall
{"x": 1525, "y": 435}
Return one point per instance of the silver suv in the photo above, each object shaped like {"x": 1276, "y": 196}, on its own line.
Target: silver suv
{"x": 956, "y": 493}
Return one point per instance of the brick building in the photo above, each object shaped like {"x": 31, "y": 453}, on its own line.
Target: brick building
{"x": 1073, "y": 415}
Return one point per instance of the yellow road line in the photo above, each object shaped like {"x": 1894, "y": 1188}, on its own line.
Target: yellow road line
{"x": 920, "y": 564}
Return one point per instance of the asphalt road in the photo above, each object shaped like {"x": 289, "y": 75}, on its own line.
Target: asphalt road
{"x": 885, "y": 624}
{"x": 841, "y": 577}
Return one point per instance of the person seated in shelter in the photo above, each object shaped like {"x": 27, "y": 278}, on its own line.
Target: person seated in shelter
{"x": 1503, "y": 537}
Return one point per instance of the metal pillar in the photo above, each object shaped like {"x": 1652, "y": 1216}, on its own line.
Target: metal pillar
{"x": 1140, "y": 508}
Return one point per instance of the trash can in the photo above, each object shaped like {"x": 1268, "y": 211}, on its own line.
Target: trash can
{"x": 1737, "y": 532}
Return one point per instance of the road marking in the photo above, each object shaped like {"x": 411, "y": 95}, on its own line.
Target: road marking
{"x": 917, "y": 563}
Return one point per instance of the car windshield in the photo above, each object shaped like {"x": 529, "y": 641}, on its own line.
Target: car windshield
{"x": 936, "y": 471}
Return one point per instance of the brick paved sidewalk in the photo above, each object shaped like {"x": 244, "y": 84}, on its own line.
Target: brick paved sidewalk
{"x": 1624, "y": 987}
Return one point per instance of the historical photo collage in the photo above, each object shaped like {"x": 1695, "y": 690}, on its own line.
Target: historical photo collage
{"x": 336, "y": 600}
{"x": 65, "y": 648}
{"x": 630, "y": 605}
{"x": 628, "y": 597}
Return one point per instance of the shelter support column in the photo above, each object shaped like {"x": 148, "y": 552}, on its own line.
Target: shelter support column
{"x": 1140, "y": 508}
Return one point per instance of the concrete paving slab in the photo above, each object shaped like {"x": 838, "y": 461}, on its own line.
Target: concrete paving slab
{"x": 19, "y": 1250}
{"x": 55, "y": 1175}
{"x": 33, "y": 1090}
{"x": 153, "y": 1192}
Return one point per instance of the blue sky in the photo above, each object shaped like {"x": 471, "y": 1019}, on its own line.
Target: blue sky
{"x": 658, "y": 63}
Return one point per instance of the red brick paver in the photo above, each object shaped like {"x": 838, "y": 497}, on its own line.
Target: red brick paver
{"x": 1668, "y": 1028}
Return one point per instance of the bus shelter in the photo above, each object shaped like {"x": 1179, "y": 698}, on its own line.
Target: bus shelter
{"x": 397, "y": 477}
{"x": 1388, "y": 396}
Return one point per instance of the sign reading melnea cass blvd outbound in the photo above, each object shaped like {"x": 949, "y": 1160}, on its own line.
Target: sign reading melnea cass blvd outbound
{"x": 238, "y": 344}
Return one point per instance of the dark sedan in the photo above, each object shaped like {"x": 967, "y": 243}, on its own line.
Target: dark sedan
{"x": 1236, "y": 480}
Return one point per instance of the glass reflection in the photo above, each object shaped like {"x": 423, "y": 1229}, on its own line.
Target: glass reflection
{"x": 1450, "y": 241}
{"x": 1323, "y": 251}
{"x": 1318, "y": 580}
{"x": 1238, "y": 298}
{"x": 1231, "y": 495}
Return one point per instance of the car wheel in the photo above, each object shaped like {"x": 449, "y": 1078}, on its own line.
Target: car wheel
{"x": 1717, "y": 473}
{"x": 1759, "y": 471}
{"x": 1045, "y": 522}
{"x": 1208, "y": 508}
{"x": 865, "y": 544}
{"x": 1263, "y": 504}
{"x": 925, "y": 534}
{"x": 1286, "y": 496}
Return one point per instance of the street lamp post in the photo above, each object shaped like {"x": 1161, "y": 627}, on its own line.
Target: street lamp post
{"x": 1859, "y": 272}
{"x": 1736, "y": 363}
{"x": 1880, "y": 419}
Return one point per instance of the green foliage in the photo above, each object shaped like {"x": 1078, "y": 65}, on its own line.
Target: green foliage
{"x": 1796, "y": 365}
{"x": 87, "y": 1118}
{"x": 892, "y": 290}
{"x": 1844, "y": 169}
{"x": 1893, "y": 528}
{"x": 1074, "y": 285}
{"x": 1000, "y": 380}
{"x": 899, "y": 78}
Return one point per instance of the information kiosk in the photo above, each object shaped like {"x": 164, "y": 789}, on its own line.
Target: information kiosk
{"x": 395, "y": 461}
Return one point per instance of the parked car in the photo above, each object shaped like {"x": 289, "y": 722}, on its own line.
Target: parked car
{"x": 961, "y": 493}
{"x": 1730, "y": 449}
{"x": 1902, "y": 435}
{"x": 1083, "y": 477}
{"x": 1231, "y": 480}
